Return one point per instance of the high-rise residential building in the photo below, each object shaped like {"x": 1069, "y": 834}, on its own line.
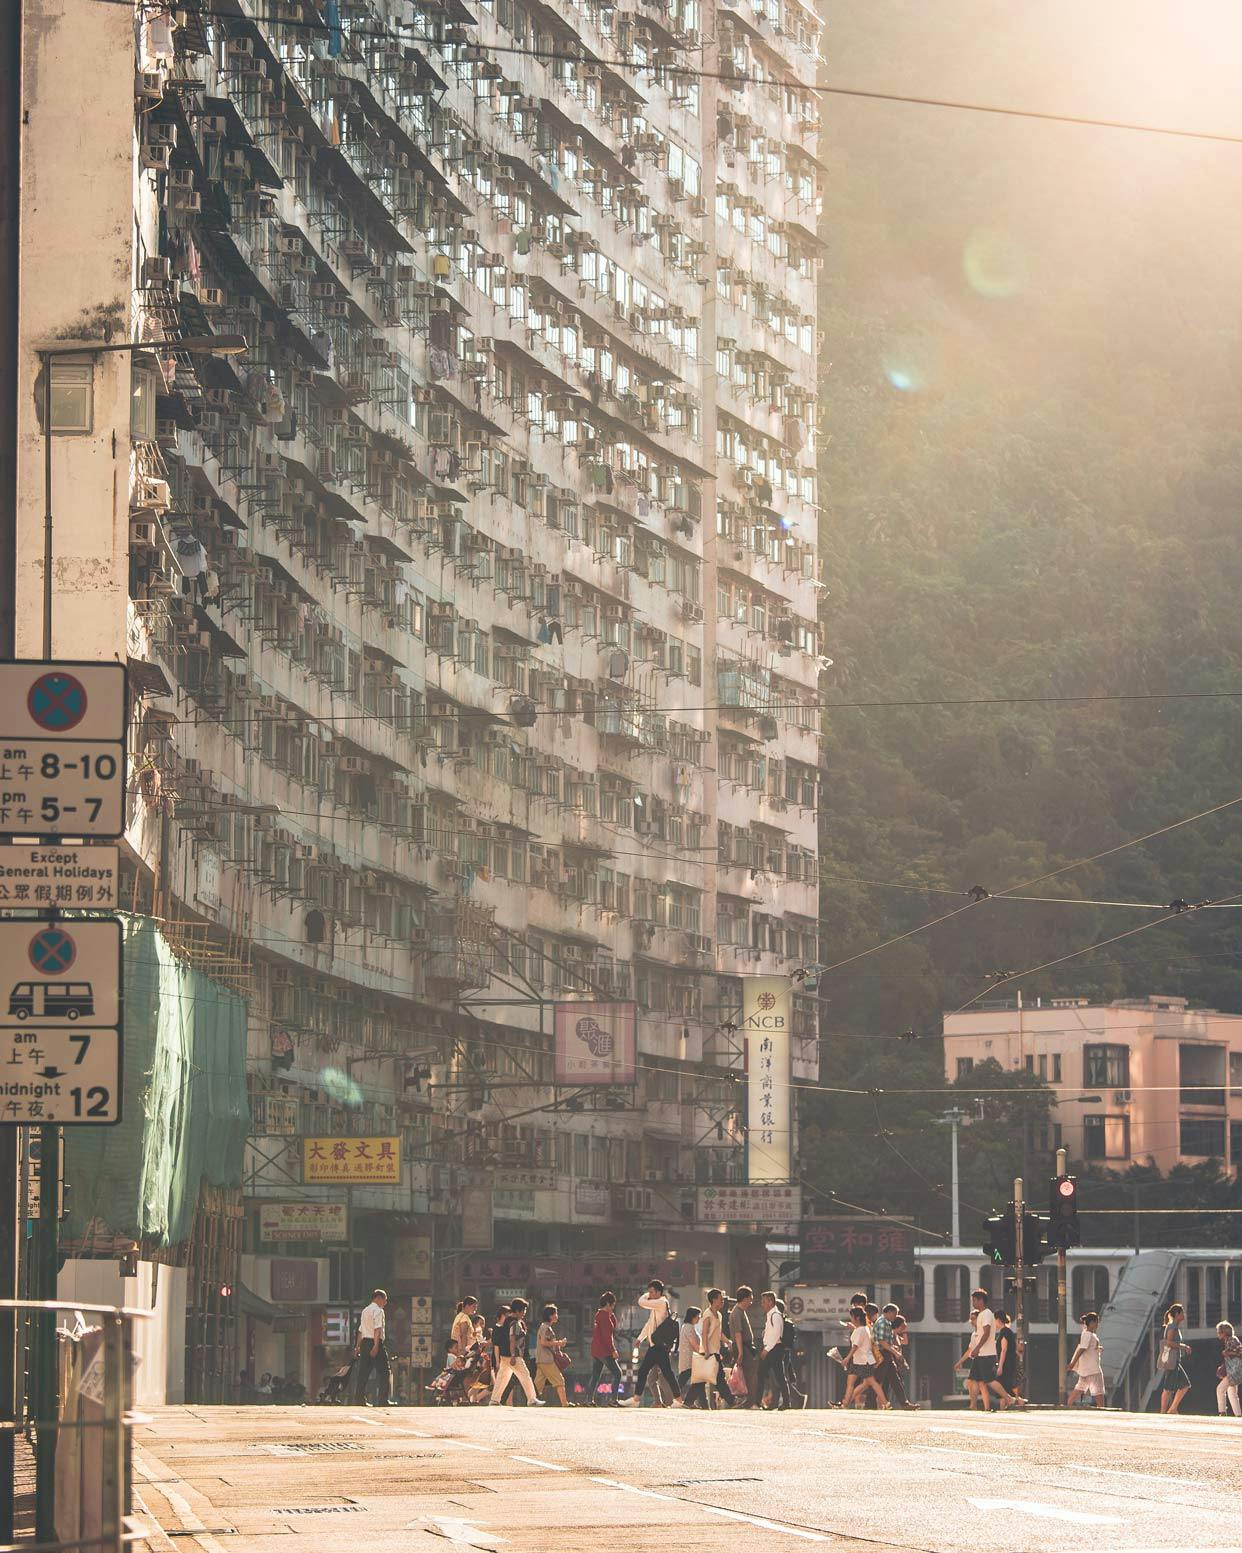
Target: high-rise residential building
{"x": 1135, "y": 1082}
{"x": 470, "y": 614}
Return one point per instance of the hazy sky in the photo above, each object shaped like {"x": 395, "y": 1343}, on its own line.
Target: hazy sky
{"x": 1175, "y": 62}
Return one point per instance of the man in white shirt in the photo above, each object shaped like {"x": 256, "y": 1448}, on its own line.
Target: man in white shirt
{"x": 772, "y": 1353}
{"x": 370, "y": 1352}
{"x": 660, "y": 1339}
{"x": 980, "y": 1354}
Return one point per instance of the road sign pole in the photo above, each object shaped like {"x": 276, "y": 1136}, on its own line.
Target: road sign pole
{"x": 1062, "y": 1299}
{"x": 9, "y": 1290}
{"x": 47, "y": 1392}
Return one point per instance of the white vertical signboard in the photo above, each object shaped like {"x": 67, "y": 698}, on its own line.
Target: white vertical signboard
{"x": 767, "y": 1014}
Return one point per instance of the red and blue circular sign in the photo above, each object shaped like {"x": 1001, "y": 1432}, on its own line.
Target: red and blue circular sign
{"x": 52, "y": 951}
{"x": 57, "y": 702}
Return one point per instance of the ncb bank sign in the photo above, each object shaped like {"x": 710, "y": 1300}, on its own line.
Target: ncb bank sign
{"x": 767, "y": 1019}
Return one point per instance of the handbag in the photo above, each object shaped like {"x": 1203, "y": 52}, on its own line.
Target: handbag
{"x": 562, "y": 1359}
{"x": 737, "y": 1382}
{"x": 703, "y": 1369}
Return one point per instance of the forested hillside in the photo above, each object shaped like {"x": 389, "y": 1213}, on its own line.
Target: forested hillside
{"x": 1032, "y": 483}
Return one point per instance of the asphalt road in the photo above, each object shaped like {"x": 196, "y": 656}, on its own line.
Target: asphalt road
{"x": 243, "y": 1480}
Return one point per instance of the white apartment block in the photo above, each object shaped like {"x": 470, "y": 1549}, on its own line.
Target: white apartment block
{"x": 471, "y": 614}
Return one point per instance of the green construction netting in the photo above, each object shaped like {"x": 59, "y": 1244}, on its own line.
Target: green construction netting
{"x": 184, "y": 1112}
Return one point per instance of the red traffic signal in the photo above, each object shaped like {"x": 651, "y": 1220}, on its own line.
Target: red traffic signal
{"x": 226, "y": 1291}
{"x": 1063, "y": 1227}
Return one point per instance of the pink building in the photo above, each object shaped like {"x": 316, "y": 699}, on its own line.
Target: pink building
{"x": 1138, "y": 1081}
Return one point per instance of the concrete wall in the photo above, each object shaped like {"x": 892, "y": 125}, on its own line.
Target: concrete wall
{"x": 159, "y": 1337}
{"x": 78, "y": 202}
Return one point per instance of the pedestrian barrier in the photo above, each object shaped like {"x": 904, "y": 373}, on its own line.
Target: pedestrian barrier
{"x": 79, "y": 1414}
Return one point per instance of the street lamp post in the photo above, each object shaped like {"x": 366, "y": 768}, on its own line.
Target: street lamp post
{"x": 952, "y": 1119}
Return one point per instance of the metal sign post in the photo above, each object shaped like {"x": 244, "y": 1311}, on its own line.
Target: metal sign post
{"x": 1062, "y": 1302}
{"x": 62, "y": 780}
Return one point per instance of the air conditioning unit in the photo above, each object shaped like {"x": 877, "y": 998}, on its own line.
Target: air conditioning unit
{"x": 156, "y": 158}
{"x": 211, "y": 297}
{"x": 154, "y": 493}
{"x": 149, "y": 86}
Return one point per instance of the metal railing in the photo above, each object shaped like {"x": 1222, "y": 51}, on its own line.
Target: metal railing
{"x": 80, "y": 1416}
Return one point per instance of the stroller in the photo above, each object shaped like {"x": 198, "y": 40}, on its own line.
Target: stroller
{"x": 458, "y": 1383}
{"x": 335, "y": 1387}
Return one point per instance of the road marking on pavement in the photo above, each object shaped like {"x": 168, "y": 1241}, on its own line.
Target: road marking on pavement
{"x": 960, "y": 1451}
{"x": 375, "y": 1423}
{"x": 465, "y": 1534}
{"x": 533, "y": 1461}
{"x": 1152, "y": 1478}
{"x": 651, "y": 1439}
{"x": 758, "y": 1521}
{"x": 180, "y": 1506}
{"x": 628, "y": 1488}
{"x": 974, "y": 1434}
{"x": 712, "y": 1509}
{"x": 1049, "y": 1512}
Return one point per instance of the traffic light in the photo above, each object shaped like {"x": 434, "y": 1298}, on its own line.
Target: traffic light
{"x": 1063, "y": 1227}
{"x": 1034, "y": 1246}
{"x": 998, "y": 1239}
{"x": 1001, "y": 1240}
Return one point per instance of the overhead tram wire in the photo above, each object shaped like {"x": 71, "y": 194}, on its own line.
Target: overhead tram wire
{"x": 502, "y": 713}
{"x": 395, "y": 34}
{"x": 1103, "y": 943}
{"x": 1054, "y": 873}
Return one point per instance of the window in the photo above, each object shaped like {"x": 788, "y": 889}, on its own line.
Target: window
{"x": 1203, "y": 1137}
{"x": 73, "y": 396}
{"x": 1090, "y": 1289}
{"x": 142, "y": 390}
{"x": 1108, "y": 1066}
{"x": 951, "y": 1287}
{"x": 1202, "y": 1074}
{"x": 965, "y": 1066}
{"x": 1235, "y": 1071}
{"x": 1106, "y": 1137}
{"x": 1235, "y": 1144}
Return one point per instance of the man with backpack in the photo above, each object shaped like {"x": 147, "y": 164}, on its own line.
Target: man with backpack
{"x": 789, "y": 1350}
{"x": 661, "y": 1332}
